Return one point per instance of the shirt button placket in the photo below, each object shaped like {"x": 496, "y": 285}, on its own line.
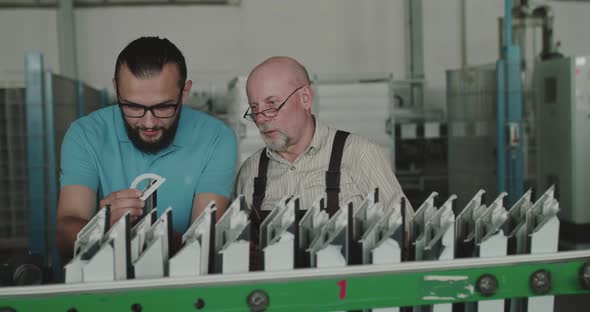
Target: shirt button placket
{"x": 291, "y": 180}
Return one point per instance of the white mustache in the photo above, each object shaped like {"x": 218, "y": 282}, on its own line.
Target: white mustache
{"x": 265, "y": 127}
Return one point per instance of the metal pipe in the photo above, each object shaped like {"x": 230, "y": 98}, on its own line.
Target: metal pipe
{"x": 546, "y": 13}
{"x": 500, "y": 128}
{"x": 415, "y": 50}
{"x": 510, "y": 155}
{"x": 502, "y": 90}
{"x": 463, "y": 32}
{"x": 36, "y": 153}
{"x": 508, "y": 23}
{"x": 52, "y": 170}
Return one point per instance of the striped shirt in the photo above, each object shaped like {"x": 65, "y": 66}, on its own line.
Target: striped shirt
{"x": 364, "y": 167}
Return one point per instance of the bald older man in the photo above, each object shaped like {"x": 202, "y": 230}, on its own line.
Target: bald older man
{"x": 303, "y": 156}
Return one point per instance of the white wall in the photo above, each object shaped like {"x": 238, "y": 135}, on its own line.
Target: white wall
{"x": 221, "y": 42}
{"x": 571, "y": 27}
{"x": 332, "y": 36}
{"x": 22, "y": 31}
{"x": 207, "y": 36}
{"x": 328, "y": 36}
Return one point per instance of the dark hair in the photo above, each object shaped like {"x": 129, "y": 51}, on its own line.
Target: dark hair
{"x": 146, "y": 56}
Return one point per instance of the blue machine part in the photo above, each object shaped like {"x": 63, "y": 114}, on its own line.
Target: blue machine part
{"x": 80, "y": 100}
{"x": 509, "y": 153}
{"x": 52, "y": 179}
{"x": 104, "y": 98}
{"x": 34, "y": 104}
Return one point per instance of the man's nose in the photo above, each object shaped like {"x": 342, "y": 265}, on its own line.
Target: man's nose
{"x": 261, "y": 118}
{"x": 149, "y": 120}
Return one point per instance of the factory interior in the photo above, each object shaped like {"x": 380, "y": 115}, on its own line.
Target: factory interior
{"x": 479, "y": 108}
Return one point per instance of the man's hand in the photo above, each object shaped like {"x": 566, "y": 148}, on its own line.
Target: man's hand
{"x": 123, "y": 201}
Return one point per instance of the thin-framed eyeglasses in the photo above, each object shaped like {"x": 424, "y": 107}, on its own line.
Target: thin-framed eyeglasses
{"x": 163, "y": 110}
{"x": 271, "y": 112}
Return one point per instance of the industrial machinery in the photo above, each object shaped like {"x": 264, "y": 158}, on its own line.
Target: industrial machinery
{"x": 13, "y": 228}
{"x": 418, "y": 257}
{"x": 350, "y": 288}
{"x": 35, "y": 114}
{"x": 563, "y": 123}
{"x": 472, "y": 131}
{"x": 493, "y": 111}
{"x": 550, "y": 128}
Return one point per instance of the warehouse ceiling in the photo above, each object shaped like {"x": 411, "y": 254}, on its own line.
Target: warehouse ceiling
{"x": 103, "y": 3}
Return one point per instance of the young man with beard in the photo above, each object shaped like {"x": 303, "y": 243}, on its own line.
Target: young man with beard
{"x": 150, "y": 130}
{"x": 303, "y": 156}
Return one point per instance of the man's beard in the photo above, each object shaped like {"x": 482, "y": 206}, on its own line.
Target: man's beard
{"x": 278, "y": 145}
{"x": 164, "y": 141}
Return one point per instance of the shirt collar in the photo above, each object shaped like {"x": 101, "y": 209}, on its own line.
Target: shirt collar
{"x": 184, "y": 132}
{"x": 320, "y": 136}
{"x": 182, "y": 137}
{"x": 120, "y": 124}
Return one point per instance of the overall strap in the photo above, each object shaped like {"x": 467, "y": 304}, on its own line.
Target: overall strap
{"x": 256, "y": 214}
{"x": 333, "y": 173}
{"x": 260, "y": 181}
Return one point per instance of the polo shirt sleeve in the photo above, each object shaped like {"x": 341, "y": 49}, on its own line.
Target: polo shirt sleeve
{"x": 218, "y": 174}
{"x": 77, "y": 161}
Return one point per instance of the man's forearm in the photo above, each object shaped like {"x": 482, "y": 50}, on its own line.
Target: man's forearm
{"x": 67, "y": 230}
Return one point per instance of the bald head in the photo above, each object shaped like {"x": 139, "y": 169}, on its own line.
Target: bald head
{"x": 281, "y": 83}
{"x": 280, "y": 67}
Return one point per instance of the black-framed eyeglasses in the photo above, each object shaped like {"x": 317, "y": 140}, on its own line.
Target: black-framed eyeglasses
{"x": 164, "y": 110}
{"x": 271, "y": 112}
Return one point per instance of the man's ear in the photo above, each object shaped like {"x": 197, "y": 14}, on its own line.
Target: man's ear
{"x": 186, "y": 91}
{"x": 115, "y": 85}
{"x": 307, "y": 97}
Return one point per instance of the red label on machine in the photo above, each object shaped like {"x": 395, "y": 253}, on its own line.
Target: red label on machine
{"x": 514, "y": 134}
{"x": 342, "y": 285}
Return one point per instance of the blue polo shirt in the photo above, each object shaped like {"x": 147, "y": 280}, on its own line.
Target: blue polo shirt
{"x": 97, "y": 153}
